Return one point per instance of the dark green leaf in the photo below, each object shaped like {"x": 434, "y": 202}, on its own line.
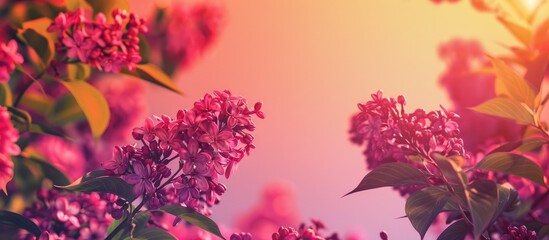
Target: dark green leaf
{"x": 66, "y": 110}
{"x": 457, "y": 231}
{"x": 144, "y": 49}
{"x": 194, "y": 218}
{"x": 77, "y": 71}
{"x": 43, "y": 129}
{"x": 21, "y": 118}
{"x": 482, "y": 196}
{"x": 153, "y": 233}
{"x": 455, "y": 177}
{"x": 107, "y": 184}
{"x": 122, "y": 234}
{"x": 140, "y": 221}
{"x": 49, "y": 171}
{"x": 523, "y": 145}
{"x": 507, "y": 108}
{"x": 19, "y": 221}
{"x": 391, "y": 175}
{"x": 153, "y": 74}
{"x": 513, "y": 164}
{"x": 92, "y": 103}
{"x": 6, "y": 97}
{"x": 423, "y": 206}
{"x": 34, "y": 33}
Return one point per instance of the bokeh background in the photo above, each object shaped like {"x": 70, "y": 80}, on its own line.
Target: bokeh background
{"x": 310, "y": 62}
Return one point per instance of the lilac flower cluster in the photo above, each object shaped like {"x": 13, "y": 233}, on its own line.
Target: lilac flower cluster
{"x": 108, "y": 47}
{"x": 63, "y": 215}
{"x": 519, "y": 233}
{"x": 304, "y": 232}
{"x": 209, "y": 140}
{"x": 392, "y": 135}
{"x": 8, "y": 58}
{"x": 8, "y": 136}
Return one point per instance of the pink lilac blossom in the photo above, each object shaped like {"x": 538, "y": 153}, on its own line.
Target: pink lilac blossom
{"x": 207, "y": 141}
{"x": 392, "y": 135}
{"x": 304, "y": 232}
{"x": 62, "y": 154}
{"x": 109, "y": 47}
{"x": 519, "y": 233}
{"x": 8, "y": 58}
{"x": 468, "y": 89}
{"x": 8, "y": 136}
{"x": 63, "y": 215}
{"x": 277, "y": 207}
{"x": 187, "y": 32}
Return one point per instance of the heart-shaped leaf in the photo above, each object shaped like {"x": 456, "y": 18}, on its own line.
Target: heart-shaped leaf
{"x": 482, "y": 196}
{"x": 391, "y": 175}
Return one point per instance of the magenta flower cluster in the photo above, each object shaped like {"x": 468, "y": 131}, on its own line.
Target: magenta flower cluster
{"x": 8, "y": 58}
{"x": 393, "y": 135}
{"x": 8, "y": 136}
{"x": 304, "y": 232}
{"x": 109, "y": 47}
{"x": 519, "y": 233}
{"x": 208, "y": 141}
{"x": 64, "y": 215}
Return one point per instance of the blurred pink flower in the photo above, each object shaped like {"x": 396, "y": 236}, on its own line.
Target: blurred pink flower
{"x": 8, "y": 58}
{"x": 467, "y": 89}
{"x": 62, "y": 154}
{"x": 277, "y": 207}
{"x": 6, "y": 171}
{"x": 8, "y": 135}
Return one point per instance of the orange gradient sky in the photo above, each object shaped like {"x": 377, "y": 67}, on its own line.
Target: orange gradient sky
{"x": 310, "y": 62}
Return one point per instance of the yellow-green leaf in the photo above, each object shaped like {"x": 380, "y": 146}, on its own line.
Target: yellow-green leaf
{"x": 107, "y": 6}
{"x": 92, "y": 103}
{"x": 514, "y": 85}
{"x": 507, "y": 108}
{"x": 521, "y": 32}
{"x": 153, "y": 74}
{"x": 6, "y": 97}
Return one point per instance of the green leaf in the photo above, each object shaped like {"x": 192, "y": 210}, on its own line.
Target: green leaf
{"x": 77, "y": 71}
{"x": 107, "y": 6}
{"x": 106, "y": 184}
{"x": 65, "y": 111}
{"x": 513, "y": 164}
{"x": 457, "y": 231}
{"x": 482, "y": 196}
{"x": 454, "y": 175}
{"x": 194, "y": 218}
{"x": 6, "y": 97}
{"x": 153, "y": 233}
{"x": 19, "y": 221}
{"x": 507, "y": 196}
{"x": 21, "y": 118}
{"x": 144, "y": 49}
{"x": 153, "y": 74}
{"x": 35, "y": 34}
{"x": 45, "y": 130}
{"x": 72, "y": 5}
{"x": 140, "y": 221}
{"x": 122, "y": 233}
{"x": 523, "y": 145}
{"x": 423, "y": 206}
{"x": 391, "y": 175}
{"x": 515, "y": 86}
{"x": 507, "y": 108}
{"x": 50, "y": 172}
{"x": 92, "y": 103}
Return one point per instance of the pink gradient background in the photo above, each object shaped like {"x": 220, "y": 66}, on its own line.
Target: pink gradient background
{"x": 310, "y": 62}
